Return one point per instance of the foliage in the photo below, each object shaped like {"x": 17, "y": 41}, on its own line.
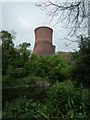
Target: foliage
{"x": 60, "y": 69}
{"x": 20, "y": 67}
{"x": 80, "y": 68}
{"x": 53, "y": 67}
{"x": 65, "y": 102}
{"x": 21, "y": 108}
{"x": 14, "y": 60}
{"x": 29, "y": 80}
{"x": 18, "y": 62}
{"x": 7, "y": 49}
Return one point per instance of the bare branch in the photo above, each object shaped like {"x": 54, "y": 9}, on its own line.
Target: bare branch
{"x": 73, "y": 12}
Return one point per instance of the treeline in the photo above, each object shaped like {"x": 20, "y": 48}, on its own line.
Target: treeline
{"x": 18, "y": 62}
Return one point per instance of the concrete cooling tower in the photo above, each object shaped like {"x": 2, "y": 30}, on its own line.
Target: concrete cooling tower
{"x": 43, "y": 41}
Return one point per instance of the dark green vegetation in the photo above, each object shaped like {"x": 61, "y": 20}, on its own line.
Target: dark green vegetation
{"x": 18, "y": 63}
{"x": 64, "y": 101}
{"x": 80, "y": 69}
{"x": 67, "y": 78}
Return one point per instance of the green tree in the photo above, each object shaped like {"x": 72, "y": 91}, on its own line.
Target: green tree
{"x": 80, "y": 69}
{"x": 7, "y": 49}
{"x": 24, "y": 52}
{"x": 22, "y": 60}
{"x": 15, "y": 61}
{"x": 59, "y": 69}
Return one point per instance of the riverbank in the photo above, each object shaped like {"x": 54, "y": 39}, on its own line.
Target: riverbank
{"x": 28, "y": 81}
{"x": 37, "y": 92}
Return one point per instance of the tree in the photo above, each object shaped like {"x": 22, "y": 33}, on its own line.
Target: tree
{"x": 15, "y": 61}
{"x": 24, "y": 61}
{"x": 7, "y": 39}
{"x": 73, "y": 13}
{"x": 80, "y": 69}
{"x": 59, "y": 69}
{"x": 7, "y": 49}
{"x": 24, "y": 51}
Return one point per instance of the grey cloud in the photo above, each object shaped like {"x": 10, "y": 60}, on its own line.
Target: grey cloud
{"x": 24, "y": 18}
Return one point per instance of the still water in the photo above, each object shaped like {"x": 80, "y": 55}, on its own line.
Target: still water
{"x": 35, "y": 93}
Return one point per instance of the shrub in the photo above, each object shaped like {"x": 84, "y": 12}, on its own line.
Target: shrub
{"x": 66, "y": 101}
{"x": 22, "y": 108}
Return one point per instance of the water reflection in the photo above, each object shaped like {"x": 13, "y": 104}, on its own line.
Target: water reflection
{"x": 35, "y": 93}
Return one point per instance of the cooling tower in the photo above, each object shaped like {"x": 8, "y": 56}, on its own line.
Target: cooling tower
{"x": 43, "y": 41}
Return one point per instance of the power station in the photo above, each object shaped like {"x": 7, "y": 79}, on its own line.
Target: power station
{"x": 43, "y": 41}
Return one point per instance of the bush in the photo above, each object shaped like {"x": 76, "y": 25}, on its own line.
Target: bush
{"x": 51, "y": 67}
{"x": 22, "y": 108}
{"x": 66, "y": 101}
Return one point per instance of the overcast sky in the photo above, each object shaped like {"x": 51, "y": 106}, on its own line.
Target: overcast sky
{"x": 23, "y": 18}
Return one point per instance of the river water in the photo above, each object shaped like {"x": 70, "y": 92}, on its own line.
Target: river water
{"x": 35, "y": 93}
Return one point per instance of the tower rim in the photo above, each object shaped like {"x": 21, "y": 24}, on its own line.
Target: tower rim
{"x": 43, "y": 27}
